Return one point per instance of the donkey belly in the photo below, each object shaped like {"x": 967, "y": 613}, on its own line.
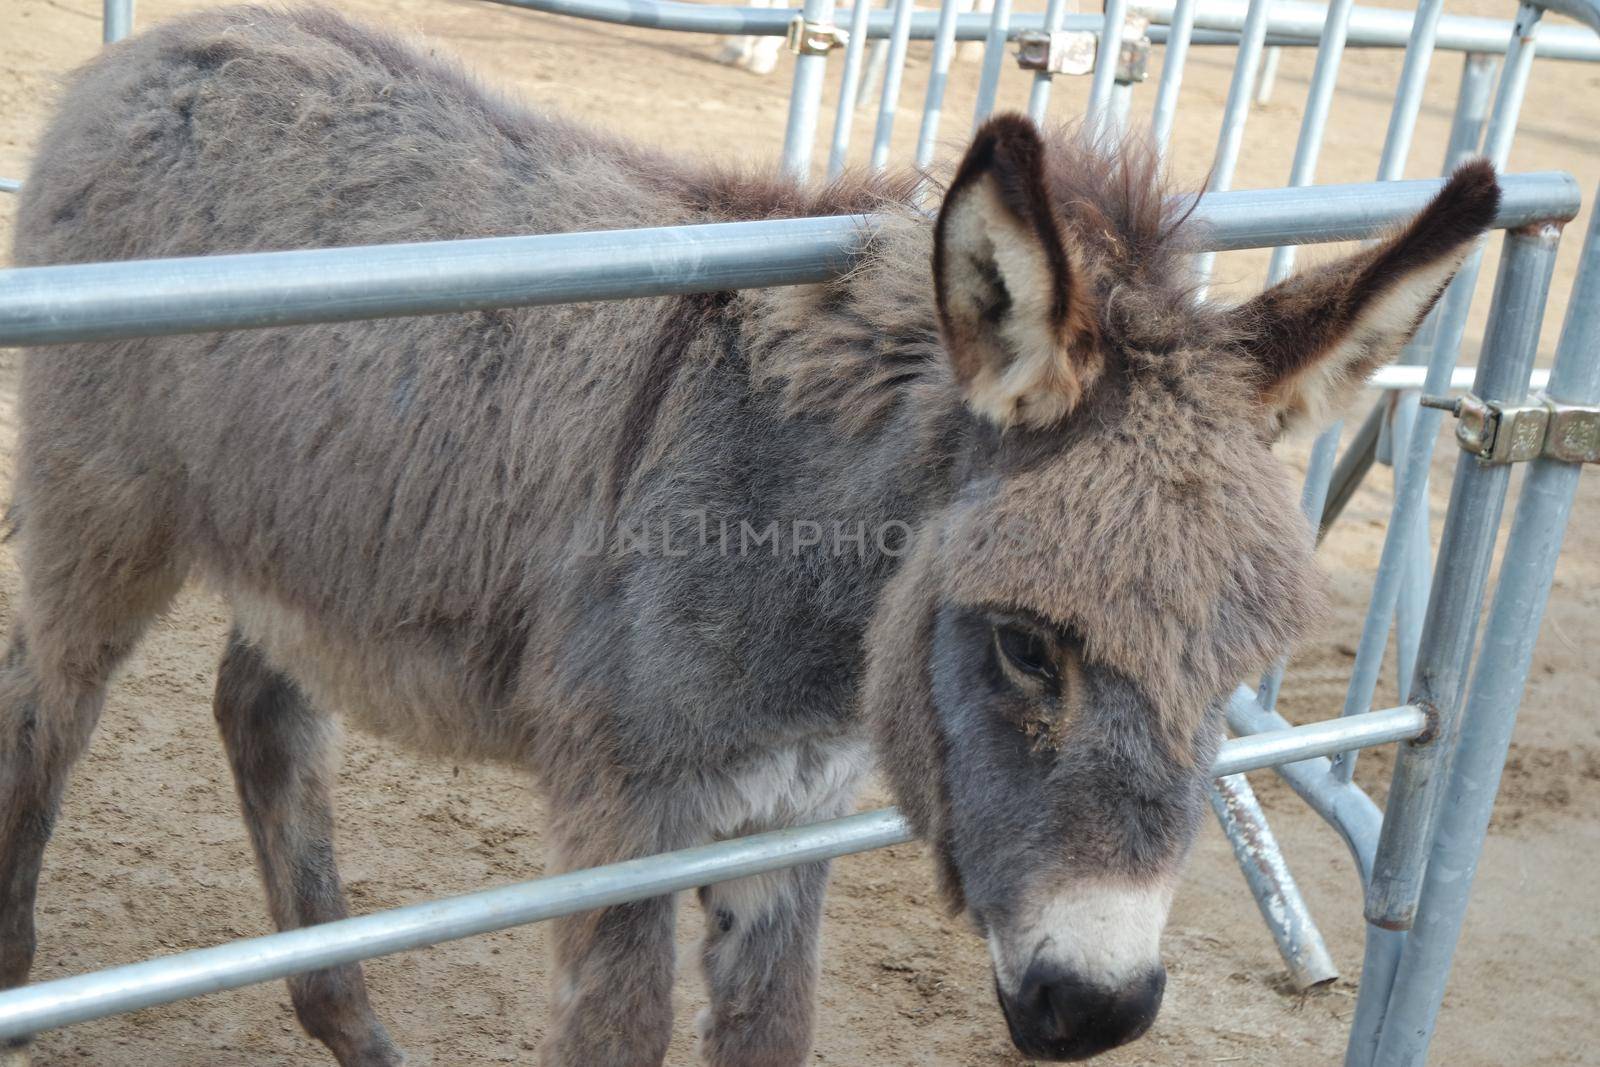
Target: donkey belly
{"x": 404, "y": 687}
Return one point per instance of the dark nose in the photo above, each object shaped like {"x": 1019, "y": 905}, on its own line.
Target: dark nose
{"x": 1058, "y": 1016}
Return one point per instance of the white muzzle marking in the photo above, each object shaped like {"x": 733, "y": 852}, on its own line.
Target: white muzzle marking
{"x": 1107, "y": 935}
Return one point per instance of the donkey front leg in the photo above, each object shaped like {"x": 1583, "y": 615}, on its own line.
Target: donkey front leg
{"x": 760, "y": 954}
{"x": 279, "y": 748}
{"x": 760, "y": 958}
{"x": 612, "y": 968}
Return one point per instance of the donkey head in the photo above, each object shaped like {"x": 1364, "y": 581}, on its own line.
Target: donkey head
{"x": 1046, "y": 671}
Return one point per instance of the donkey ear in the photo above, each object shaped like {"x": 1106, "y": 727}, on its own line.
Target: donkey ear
{"x": 1011, "y": 305}
{"x": 1318, "y": 336}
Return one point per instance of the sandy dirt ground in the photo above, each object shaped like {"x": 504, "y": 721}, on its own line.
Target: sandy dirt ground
{"x": 151, "y": 857}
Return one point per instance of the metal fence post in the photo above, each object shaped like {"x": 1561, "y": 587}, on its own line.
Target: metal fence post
{"x": 1278, "y": 898}
{"x": 1267, "y": 77}
{"x": 1526, "y": 572}
{"x": 1472, "y": 107}
{"x": 1319, "y": 101}
{"x": 1465, "y": 550}
{"x": 805, "y": 99}
{"x": 1039, "y": 94}
{"x": 944, "y": 48}
{"x": 849, "y": 87}
{"x": 1097, "y": 116}
{"x": 899, "y": 37}
{"x": 1235, "y": 111}
{"x": 1179, "y": 30}
{"x": 994, "y": 54}
{"x": 116, "y": 20}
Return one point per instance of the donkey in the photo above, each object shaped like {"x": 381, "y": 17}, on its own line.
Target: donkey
{"x": 998, "y": 504}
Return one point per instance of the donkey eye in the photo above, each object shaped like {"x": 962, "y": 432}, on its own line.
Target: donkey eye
{"x": 1025, "y": 650}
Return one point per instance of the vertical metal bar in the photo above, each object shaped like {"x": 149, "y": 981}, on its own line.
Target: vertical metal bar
{"x": 1282, "y": 907}
{"x": 1411, "y": 587}
{"x": 1267, "y": 77}
{"x": 1457, "y": 299}
{"x": 1106, "y": 57}
{"x": 899, "y": 35}
{"x": 872, "y": 77}
{"x": 1172, "y": 63}
{"x": 944, "y": 48}
{"x": 1526, "y": 572}
{"x": 1408, "y": 96}
{"x": 1319, "y": 101}
{"x": 1513, "y": 84}
{"x": 1039, "y": 95}
{"x": 849, "y": 86}
{"x": 805, "y": 100}
{"x": 994, "y": 53}
{"x": 116, "y": 20}
{"x": 1412, "y": 598}
{"x": 1352, "y": 467}
{"x": 1464, "y": 553}
{"x": 1472, "y": 107}
{"x": 1235, "y": 112}
{"x": 1313, "y": 125}
{"x": 1466, "y": 130}
{"x": 1411, "y": 503}
{"x": 1121, "y": 107}
{"x": 1379, "y": 962}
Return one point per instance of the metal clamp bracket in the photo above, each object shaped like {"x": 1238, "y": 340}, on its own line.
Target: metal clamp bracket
{"x": 1514, "y": 433}
{"x": 1076, "y": 51}
{"x": 1133, "y": 61}
{"x": 1062, "y": 52}
{"x": 814, "y": 38}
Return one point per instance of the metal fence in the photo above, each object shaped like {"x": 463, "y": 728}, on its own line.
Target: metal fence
{"x": 1416, "y": 858}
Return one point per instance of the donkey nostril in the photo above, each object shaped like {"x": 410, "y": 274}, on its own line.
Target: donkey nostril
{"x": 1058, "y": 1016}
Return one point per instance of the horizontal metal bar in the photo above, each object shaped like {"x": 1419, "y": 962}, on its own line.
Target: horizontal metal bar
{"x": 1313, "y": 214}
{"x": 1414, "y": 376}
{"x": 1372, "y": 27}
{"x": 767, "y": 22}
{"x": 1343, "y": 805}
{"x": 1274, "y": 748}
{"x": 187, "y": 974}
{"x": 45, "y": 305}
{"x": 1296, "y": 25}
{"x": 197, "y": 294}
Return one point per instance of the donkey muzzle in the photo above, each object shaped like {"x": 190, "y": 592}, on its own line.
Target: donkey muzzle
{"x": 1055, "y": 1015}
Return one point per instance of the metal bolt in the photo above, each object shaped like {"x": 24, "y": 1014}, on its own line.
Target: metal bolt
{"x": 1443, "y": 403}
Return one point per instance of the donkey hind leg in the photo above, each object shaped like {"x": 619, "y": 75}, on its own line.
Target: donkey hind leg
{"x": 611, "y": 968}
{"x": 279, "y": 747}
{"x": 82, "y": 617}
{"x": 760, "y": 952}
